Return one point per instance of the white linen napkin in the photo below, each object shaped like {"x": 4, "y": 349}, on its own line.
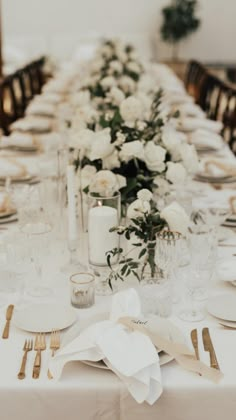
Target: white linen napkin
{"x": 130, "y": 354}
{"x": 49, "y": 98}
{"x": 192, "y": 124}
{"x": 11, "y": 168}
{"x": 227, "y": 269}
{"x": 18, "y": 140}
{"x": 204, "y": 138}
{"x": 32, "y": 123}
{"x": 190, "y": 109}
{"x": 41, "y": 108}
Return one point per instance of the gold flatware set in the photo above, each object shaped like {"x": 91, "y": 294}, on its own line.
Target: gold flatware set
{"x": 207, "y": 344}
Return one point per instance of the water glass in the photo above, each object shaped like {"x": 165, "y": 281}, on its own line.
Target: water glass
{"x": 82, "y": 290}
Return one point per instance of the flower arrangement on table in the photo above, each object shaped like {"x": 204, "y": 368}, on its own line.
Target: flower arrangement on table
{"x": 146, "y": 222}
{"x": 123, "y": 130}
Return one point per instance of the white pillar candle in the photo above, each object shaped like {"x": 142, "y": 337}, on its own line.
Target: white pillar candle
{"x": 100, "y": 220}
{"x": 72, "y": 222}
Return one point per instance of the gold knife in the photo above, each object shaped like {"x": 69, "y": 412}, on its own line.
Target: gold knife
{"x": 9, "y": 313}
{"x": 194, "y": 338}
{"x": 208, "y": 346}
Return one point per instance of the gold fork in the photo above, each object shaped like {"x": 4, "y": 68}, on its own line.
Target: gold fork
{"x": 28, "y": 346}
{"x": 55, "y": 341}
{"x": 39, "y": 346}
{"x": 54, "y": 346}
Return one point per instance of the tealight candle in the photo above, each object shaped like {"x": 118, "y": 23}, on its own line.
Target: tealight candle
{"x": 100, "y": 220}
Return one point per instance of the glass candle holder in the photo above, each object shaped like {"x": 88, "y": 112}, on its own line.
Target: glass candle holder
{"x": 103, "y": 215}
{"x": 82, "y": 290}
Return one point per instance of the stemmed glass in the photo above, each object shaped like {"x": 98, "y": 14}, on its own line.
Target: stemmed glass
{"x": 37, "y": 239}
{"x": 167, "y": 255}
{"x": 198, "y": 274}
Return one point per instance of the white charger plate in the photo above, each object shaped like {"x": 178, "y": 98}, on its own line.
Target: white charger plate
{"x": 172, "y": 332}
{"x": 44, "y": 317}
{"x": 223, "y": 307}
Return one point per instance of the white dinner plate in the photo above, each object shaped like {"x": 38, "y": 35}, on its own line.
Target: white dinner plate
{"x": 171, "y": 331}
{"x": 44, "y": 317}
{"x": 223, "y": 307}
{"x": 227, "y": 270}
{"x": 229, "y": 324}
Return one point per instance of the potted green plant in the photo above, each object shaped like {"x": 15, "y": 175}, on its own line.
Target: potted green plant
{"x": 179, "y": 21}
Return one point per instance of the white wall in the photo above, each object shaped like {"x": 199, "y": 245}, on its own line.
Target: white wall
{"x": 58, "y": 26}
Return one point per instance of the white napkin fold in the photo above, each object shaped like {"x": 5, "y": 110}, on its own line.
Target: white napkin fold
{"x": 18, "y": 140}
{"x": 130, "y": 354}
{"x": 11, "y": 168}
{"x": 38, "y": 107}
{"x": 204, "y": 138}
{"x": 49, "y": 98}
{"x": 32, "y": 123}
{"x": 191, "y": 124}
{"x": 191, "y": 109}
{"x": 227, "y": 269}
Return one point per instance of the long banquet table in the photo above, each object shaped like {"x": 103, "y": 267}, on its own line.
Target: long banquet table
{"x": 86, "y": 393}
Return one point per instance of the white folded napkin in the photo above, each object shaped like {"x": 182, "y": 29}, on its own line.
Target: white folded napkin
{"x": 11, "y": 168}
{"x": 49, "y": 98}
{"x": 191, "y": 124}
{"x": 17, "y": 139}
{"x": 38, "y": 107}
{"x": 31, "y": 123}
{"x": 190, "y": 109}
{"x": 204, "y": 138}
{"x": 130, "y": 354}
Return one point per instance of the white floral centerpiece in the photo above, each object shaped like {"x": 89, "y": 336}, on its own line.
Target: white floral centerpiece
{"x": 123, "y": 125}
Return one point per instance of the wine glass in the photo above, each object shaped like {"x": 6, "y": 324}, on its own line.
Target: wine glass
{"x": 198, "y": 274}
{"x": 168, "y": 245}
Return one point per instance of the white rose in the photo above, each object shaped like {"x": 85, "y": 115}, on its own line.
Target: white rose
{"x": 127, "y": 84}
{"x": 189, "y": 157}
{"x": 141, "y": 125}
{"x": 116, "y": 95}
{"x": 108, "y": 82}
{"x": 154, "y": 157}
{"x": 133, "y": 149}
{"x": 163, "y": 186}
{"x": 116, "y": 66}
{"x": 138, "y": 208}
{"x": 121, "y": 181}
{"x": 133, "y": 67}
{"x": 104, "y": 183}
{"x": 112, "y": 161}
{"x": 176, "y": 217}
{"x": 176, "y": 173}
{"x": 131, "y": 109}
{"x": 106, "y": 51}
{"x": 120, "y": 138}
{"x": 101, "y": 146}
{"x": 145, "y": 195}
{"x": 86, "y": 175}
{"x": 82, "y": 139}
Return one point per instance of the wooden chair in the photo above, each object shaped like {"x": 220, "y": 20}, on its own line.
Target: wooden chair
{"x": 194, "y": 77}
{"x": 9, "y": 107}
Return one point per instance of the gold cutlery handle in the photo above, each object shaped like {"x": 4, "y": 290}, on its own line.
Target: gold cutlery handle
{"x": 37, "y": 365}
{"x": 21, "y": 374}
{"x": 5, "y": 333}
{"x": 213, "y": 360}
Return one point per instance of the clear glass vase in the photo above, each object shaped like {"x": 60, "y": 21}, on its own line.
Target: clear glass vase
{"x": 103, "y": 214}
